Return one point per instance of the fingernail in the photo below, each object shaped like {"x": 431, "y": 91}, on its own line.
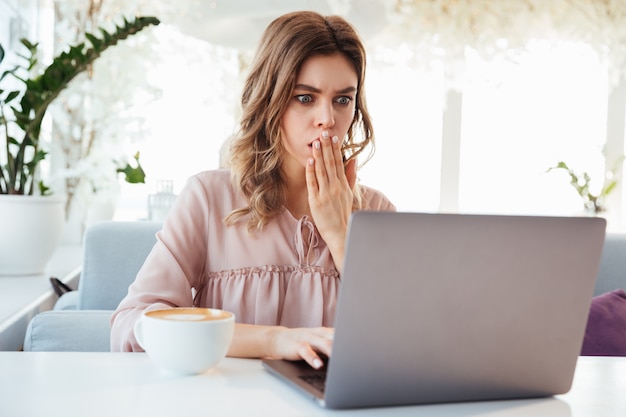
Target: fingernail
{"x": 310, "y": 161}
{"x": 317, "y": 364}
{"x": 325, "y": 134}
{"x": 335, "y": 139}
{"x": 316, "y": 144}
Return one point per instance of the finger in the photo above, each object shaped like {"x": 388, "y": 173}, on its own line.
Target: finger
{"x": 310, "y": 356}
{"x": 351, "y": 172}
{"x": 316, "y": 172}
{"x": 323, "y": 343}
{"x": 338, "y": 157}
{"x": 311, "y": 179}
{"x": 330, "y": 154}
{"x": 320, "y": 169}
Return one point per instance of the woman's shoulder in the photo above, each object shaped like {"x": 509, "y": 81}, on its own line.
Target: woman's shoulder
{"x": 212, "y": 180}
{"x": 374, "y": 199}
{"x": 211, "y": 190}
{"x": 213, "y": 177}
{"x": 207, "y": 185}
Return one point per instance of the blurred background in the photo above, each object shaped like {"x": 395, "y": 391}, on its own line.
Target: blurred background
{"x": 473, "y": 101}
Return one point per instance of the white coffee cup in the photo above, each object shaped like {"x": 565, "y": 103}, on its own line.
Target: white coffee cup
{"x": 183, "y": 340}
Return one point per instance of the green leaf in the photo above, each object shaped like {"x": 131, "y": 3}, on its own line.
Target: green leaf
{"x": 9, "y": 72}
{"x": 43, "y": 189}
{"x": 133, "y": 175}
{"x": 2, "y": 52}
{"x": 29, "y": 45}
{"x": 108, "y": 39}
{"x": 94, "y": 41}
{"x": 608, "y": 188}
{"x": 39, "y": 156}
{"x": 11, "y": 96}
{"x": 50, "y": 81}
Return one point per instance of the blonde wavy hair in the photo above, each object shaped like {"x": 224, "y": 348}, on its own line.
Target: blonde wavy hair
{"x": 255, "y": 153}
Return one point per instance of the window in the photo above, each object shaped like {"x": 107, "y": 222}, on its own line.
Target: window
{"x": 550, "y": 107}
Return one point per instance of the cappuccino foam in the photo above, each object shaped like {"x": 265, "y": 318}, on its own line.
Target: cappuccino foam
{"x": 189, "y": 314}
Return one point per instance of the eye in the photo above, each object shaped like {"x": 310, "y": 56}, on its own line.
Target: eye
{"x": 304, "y": 98}
{"x": 344, "y": 100}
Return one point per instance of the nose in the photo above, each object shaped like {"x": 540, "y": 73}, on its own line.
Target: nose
{"x": 325, "y": 115}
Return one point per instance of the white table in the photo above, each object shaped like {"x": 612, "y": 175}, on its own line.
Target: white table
{"x": 21, "y": 297}
{"x": 129, "y": 384}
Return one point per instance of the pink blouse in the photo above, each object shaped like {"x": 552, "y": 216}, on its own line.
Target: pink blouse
{"x": 283, "y": 275}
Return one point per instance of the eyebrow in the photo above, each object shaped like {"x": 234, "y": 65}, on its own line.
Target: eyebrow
{"x": 317, "y": 90}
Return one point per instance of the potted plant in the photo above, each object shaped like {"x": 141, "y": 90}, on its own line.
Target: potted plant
{"x": 593, "y": 203}
{"x": 21, "y": 114}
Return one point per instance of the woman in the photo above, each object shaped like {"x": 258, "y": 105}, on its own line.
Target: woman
{"x": 265, "y": 238}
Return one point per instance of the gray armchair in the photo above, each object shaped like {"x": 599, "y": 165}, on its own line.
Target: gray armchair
{"x": 113, "y": 254}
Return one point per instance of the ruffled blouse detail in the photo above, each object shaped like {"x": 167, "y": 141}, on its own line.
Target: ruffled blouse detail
{"x": 292, "y": 296}
{"x": 288, "y": 295}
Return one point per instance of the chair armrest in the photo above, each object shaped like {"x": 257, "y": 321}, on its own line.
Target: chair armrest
{"x": 612, "y": 273}
{"x": 69, "y": 330}
{"x": 68, "y": 301}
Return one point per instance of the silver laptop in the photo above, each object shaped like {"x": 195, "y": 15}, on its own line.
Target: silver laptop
{"x": 447, "y": 307}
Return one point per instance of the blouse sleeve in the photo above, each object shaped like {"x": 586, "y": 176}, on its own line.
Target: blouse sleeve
{"x": 376, "y": 200}
{"x": 172, "y": 268}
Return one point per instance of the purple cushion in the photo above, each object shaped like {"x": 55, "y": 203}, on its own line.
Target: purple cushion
{"x": 606, "y": 326}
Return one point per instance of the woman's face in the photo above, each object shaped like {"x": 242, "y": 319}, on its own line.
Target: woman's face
{"x": 323, "y": 100}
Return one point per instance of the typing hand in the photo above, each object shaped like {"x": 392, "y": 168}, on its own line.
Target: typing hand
{"x": 309, "y": 344}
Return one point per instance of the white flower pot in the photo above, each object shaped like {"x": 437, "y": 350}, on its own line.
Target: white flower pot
{"x": 30, "y": 231}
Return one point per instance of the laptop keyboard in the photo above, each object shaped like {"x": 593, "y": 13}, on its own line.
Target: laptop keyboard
{"x": 318, "y": 381}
